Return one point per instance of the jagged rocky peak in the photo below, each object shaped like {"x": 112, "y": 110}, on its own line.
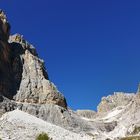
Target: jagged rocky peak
{"x": 112, "y": 101}
{"x": 23, "y": 76}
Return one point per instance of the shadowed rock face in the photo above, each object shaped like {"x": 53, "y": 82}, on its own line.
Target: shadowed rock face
{"x": 23, "y": 76}
{"x": 6, "y": 79}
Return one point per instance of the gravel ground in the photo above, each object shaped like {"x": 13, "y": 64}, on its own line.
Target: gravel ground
{"x": 17, "y": 125}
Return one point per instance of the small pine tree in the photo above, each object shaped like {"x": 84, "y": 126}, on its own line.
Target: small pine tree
{"x": 43, "y": 136}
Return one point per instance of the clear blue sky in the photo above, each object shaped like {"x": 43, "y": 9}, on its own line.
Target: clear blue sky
{"x": 91, "y": 47}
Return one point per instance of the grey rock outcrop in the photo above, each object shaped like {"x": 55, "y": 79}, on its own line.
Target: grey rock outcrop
{"x": 51, "y": 113}
{"x": 87, "y": 113}
{"x": 35, "y": 86}
{"x": 113, "y": 101}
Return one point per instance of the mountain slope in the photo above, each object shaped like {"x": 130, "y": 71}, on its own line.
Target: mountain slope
{"x": 25, "y": 88}
{"x": 27, "y": 127}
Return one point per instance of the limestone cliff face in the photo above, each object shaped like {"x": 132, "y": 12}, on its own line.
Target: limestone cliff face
{"x": 23, "y": 76}
{"x": 35, "y": 86}
{"x": 112, "y": 101}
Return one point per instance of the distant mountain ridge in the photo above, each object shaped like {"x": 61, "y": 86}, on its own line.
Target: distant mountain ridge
{"x": 25, "y": 88}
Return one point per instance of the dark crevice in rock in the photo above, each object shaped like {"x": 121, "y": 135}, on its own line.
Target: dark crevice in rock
{"x": 17, "y": 65}
{"x": 10, "y": 69}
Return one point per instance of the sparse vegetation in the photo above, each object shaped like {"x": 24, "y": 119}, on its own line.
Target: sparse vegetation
{"x": 136, "y": 130}
{"x": 43, "y": 136}
{"x": 131, "y": 138}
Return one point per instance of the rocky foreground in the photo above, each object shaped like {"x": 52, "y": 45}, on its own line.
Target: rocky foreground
{"x": 30, "y": 103}
{"x": 27, "y": 127}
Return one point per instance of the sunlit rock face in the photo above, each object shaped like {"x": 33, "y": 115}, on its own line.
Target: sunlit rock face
{"x": 33, "y": 81}
{"x": 118, "y": 99}
{"x": 23, "y": 76}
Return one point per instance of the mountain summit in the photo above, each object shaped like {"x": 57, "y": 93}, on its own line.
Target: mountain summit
{"x": 30, "y": 103}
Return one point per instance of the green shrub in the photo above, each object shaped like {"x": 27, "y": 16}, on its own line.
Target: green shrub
{"x": 136, "y": 130}
{"x": 131, "y": 138}
{"x": 43, "y": 136}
